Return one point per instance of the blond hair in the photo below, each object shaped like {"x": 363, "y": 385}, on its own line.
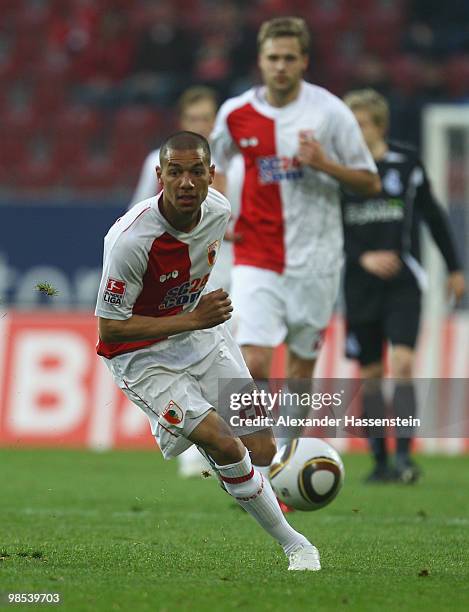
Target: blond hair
{"x": 196, "y": 94}
{"x": 373, "y": 102}
{"x": 285, "y": 26}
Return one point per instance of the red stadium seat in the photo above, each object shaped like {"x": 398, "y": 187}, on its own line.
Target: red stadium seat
{"x": 39, "y": 174}
{"x": 404, "y": 71}
{"x": 20, "y": 123}
{"x": 97, "y": 173}
{"x": 457, "y": 75}
{"x": 128, "y": 154}
{"x": 77, "y": 122}
{"x": 136, "y": 122}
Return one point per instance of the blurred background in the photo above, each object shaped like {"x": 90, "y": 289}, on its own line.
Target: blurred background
{"x": 88, "y": 88}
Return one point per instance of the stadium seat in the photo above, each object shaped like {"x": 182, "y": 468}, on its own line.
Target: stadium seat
{"x": 404, "y": 73}
{"x": 20, "y": 123}
{"x": 457, "y": 75}
{"x": 97, "y": 173}
{"x": 77, "y": 122}
{"x": 136, "y": 121}
{"x": 39, "y": 174}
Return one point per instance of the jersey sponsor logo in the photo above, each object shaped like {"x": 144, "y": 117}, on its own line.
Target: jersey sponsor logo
{"x": 173, "y": 413}
{"x": 374, "y": 211}
{"x": 186, "y": 293}
{"x": 274, "y": 168}
{"x": 212, "y": 252}
{"x": 114, "y": 292}
{"x": 392, "y": 182}
{"x": 248, "y": 142}
{"x": 169, "y": 275}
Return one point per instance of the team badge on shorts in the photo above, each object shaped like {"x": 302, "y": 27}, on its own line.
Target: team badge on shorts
{"x": 114, "y": 292}
{"x": 212, "y": 252}
{"x": 173, "y": 414}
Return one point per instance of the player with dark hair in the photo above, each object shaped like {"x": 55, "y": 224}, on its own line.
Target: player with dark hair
{"x": 197, "y": 108}
{"x": 384, "y": 278}
{"x": 164, "y": 339}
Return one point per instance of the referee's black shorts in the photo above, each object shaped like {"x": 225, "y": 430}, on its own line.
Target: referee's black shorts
{"x": 379, "y": 311}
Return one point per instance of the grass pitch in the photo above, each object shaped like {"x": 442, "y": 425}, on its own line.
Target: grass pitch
{"x": 120, "y": 531}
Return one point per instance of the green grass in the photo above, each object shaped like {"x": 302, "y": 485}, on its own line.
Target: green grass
{"x": 119, "y": 531}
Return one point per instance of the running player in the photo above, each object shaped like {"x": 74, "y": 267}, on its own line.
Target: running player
{"x": 299, "y": 143}
{"x": 163, "y": 338}
{"x": 384, "y": 278}
{"x": 197, "y": 108}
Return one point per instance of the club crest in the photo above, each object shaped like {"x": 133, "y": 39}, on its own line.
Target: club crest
{"x": 212, "y": 252}
{"x": 173, "y": 414}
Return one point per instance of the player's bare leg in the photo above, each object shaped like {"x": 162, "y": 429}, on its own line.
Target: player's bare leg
{"x": 251, "y": 490}
{"x": 405, "y": 406}
{"x": 258, "y": 359}
{"x": 259, "y": 362}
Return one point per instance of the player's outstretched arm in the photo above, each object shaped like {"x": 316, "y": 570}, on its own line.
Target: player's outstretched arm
{"x": 213, "y": 309}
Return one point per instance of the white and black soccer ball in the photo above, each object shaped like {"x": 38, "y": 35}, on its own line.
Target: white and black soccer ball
{"x": 306, "y": 473}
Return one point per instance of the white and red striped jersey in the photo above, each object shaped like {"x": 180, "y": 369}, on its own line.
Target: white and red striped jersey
{"x": 152, "y": 269}
{"x": 290, "y": 220}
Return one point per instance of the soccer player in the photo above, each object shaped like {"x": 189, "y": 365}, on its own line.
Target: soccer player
{"x": 163, "y": 335}
{"x": 299, "y": 144}
{"x": 384, "y": 278}
{"x": 197, "y": 109}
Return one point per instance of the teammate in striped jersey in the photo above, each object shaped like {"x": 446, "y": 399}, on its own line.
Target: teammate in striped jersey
{"x": 299, "y": 143}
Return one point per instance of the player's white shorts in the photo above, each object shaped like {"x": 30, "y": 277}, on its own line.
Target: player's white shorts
{"x": 176, "y": 397}
{"x": 271, "y": 308}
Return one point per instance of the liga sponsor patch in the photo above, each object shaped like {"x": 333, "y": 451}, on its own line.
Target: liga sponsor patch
{"x": 114, "y": 292}
{"x": 173, "y": 413}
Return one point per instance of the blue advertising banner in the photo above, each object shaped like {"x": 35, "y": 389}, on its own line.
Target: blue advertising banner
{"x": 61, "y": 245}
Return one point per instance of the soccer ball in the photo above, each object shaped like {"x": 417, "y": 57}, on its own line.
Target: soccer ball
{"x": 306, "y": 473}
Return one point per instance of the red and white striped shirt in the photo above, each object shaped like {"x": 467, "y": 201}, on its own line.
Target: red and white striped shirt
{"x": 290, "y": 214}
{"x": 152, "y": 269}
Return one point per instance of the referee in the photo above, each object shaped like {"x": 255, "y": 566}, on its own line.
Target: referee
{"x": 384, "y": 278}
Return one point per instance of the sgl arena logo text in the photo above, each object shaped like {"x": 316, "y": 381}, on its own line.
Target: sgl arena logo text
{"x": 275, "y": 168}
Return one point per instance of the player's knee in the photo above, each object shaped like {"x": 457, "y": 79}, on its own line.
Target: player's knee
{"x": 226, "y": 450}
{"x": 263, "y": 452}
{"x": 258, "y": 362}
{"x": 371, "y": 371}
{"x": 403, "y": 365}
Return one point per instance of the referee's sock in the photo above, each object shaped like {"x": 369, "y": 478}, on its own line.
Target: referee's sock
{"x": 374, "y": 407}
{"x": 405, "y": 407}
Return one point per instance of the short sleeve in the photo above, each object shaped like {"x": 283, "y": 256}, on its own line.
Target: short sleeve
{"x": 222, "y": 145}
{"x": 147, "y": 185}
{"x": 121, "y": 283}
{"x": 348, "y": 141}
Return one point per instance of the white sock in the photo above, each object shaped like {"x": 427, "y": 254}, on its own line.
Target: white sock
{"x": 253, "y": 493}
{"x": 263, "y": 469}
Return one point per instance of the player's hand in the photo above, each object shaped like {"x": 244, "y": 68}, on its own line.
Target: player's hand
{"x": 456, "y": 286}
{"x": 310, "y": 151}
{"x": 213, "y": 309}
{"x": 384, "y": 264}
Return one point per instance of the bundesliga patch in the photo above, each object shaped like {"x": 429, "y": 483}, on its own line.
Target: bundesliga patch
{"x": 173, "y": 414}
{"x": 212, "y": 251}
{"x": 114, "y": 292}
